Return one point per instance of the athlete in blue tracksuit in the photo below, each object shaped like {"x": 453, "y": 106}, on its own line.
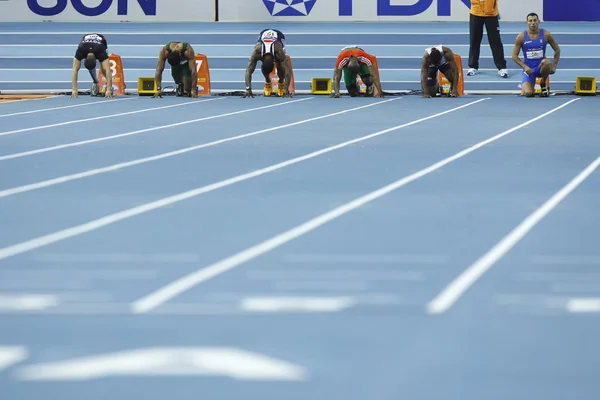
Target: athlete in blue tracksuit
{"x": 533, "y": 42}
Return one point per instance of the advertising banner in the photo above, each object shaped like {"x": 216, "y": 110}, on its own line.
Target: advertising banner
{"x": 107, "y": 10}
{"x": 363, "y": 10}
{"x": 580, "y": 10}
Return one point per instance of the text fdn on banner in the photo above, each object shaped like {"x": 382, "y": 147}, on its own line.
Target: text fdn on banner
{"x": 148, "y": 7}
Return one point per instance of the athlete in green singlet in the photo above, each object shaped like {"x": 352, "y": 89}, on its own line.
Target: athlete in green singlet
{"x": 182, "y": 58}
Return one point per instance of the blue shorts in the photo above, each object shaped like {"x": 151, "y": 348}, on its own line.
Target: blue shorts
{"x": 531, "y": 78}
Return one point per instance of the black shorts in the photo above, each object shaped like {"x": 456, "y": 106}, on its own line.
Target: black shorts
{"x": 432, "y": 73}
{"x": 85, "y": 48}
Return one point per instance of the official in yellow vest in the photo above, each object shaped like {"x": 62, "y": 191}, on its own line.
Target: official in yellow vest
{"x": 485, "y": 13}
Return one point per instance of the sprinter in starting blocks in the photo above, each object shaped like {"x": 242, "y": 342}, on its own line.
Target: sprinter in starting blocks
{"x": 270, "y": 51}
{"x": 354, "y": 62}
{"x": 439, "y": 59}
{"x": 92, "y": 48}
{"x": 182, "y": 59}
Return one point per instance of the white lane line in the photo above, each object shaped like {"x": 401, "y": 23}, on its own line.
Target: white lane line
{"x": 187, "y": 282}
{"x": 114, "y": 167}
{"x": 93, "y": 103}
{"x": 451, "y": 293}
{"x": 35, "y": 128}
{"x": 583, "y": 305}
{"x": 122, "y": 215}
{"x": 155, "y": 128}
{"x": 11, "y": 355}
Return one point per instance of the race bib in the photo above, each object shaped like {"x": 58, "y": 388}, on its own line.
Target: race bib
{"x": 535, "y": 54}
{"x": 269, "y": 36}
{"x": 92, "y": 39}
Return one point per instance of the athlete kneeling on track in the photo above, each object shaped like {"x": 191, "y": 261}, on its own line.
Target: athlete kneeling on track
{"x": 182, "y": 59}
{"x": 439, "y": 58}
{"x": 93, "y": 47}
{"x": 270, "y": 51}
{"x": 534, "y": 41}
{"x": 352, "y": 62}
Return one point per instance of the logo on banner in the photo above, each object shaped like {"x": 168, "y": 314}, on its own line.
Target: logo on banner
{"x": 289, "y": 8}
{"x": 386, "y": 8}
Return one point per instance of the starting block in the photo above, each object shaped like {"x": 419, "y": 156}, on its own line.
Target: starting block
{"x": 146, "y": 86}
{"x": 203, "y": 82}
{"x": 445, "y": 83}
{"x": 321, "y": 86}
{"x": 585, "y": 85}
{"x": 361, "y": 84}
{"x": 115, "y": 66}
{"x": 275, "y": 78}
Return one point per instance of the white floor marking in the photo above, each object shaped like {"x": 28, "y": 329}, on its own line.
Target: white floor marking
{"x": 104, "y": 138}
{"x": 114, "y": 167}
{"x": 102, "y": 258}
{"x": 296, "y": 304}
{"x": 564, "y": 259}
{"x": 85, "y": 120}
{"x": 362, "y": 258}
{"x": 321, "y": 286}
{"x": 27, "y": 302}
{"x": 443, "y": 301}
{"x": 583, "y": 305}
{"x": 144, "y": 208}
{"x": 173, "y": 289}
{"x": 11, "y": 355}
{"x": 332, "y": 275}
{"x": 93, "y": 103}
{"x": 167, "y": 361}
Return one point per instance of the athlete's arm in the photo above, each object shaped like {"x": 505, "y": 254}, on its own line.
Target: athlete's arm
{"x": 75, "y": 75}
{"x": 160, "y": 67}
{"x": 552, "y": 42}
{"x": 191, "y": 57}
{"x": 376, "y": 79}
{"x": 254, "y": 57}
{"x": 517, "y": 50}
{"x": 424, "y": 70}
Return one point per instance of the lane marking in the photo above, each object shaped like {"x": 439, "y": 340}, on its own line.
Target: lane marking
{"x": 93, "y": 103}
{"x": 10, "y": 355}
{"x": 114, "y": 167}
{"x": 35, "y": 128}
{"x": 364, "y": 258}
{"x": 27, "y": 302}
{"x": 104, "y": 138}
{"x": 288, "y": 46}
{"x": 295, "y": 304}
{"x": 144, "y": 208}
{"x": 167, "y": 361}
{"x": 583, "y": 305}
{"x": 138, "y": 33}
{"x": 187, "y": 282}
{"x": 449, "y": 295}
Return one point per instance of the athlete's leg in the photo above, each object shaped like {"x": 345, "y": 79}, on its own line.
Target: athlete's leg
{"x": 432, "y": 86}
{"x": 178, "y": 78}
{"x": 351, "y": 83}
{"x": 365, "y": 76}
{"x": 449, "y": 73}
{"x": 528, "y": 84}
{"x": 186, "y": 75}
